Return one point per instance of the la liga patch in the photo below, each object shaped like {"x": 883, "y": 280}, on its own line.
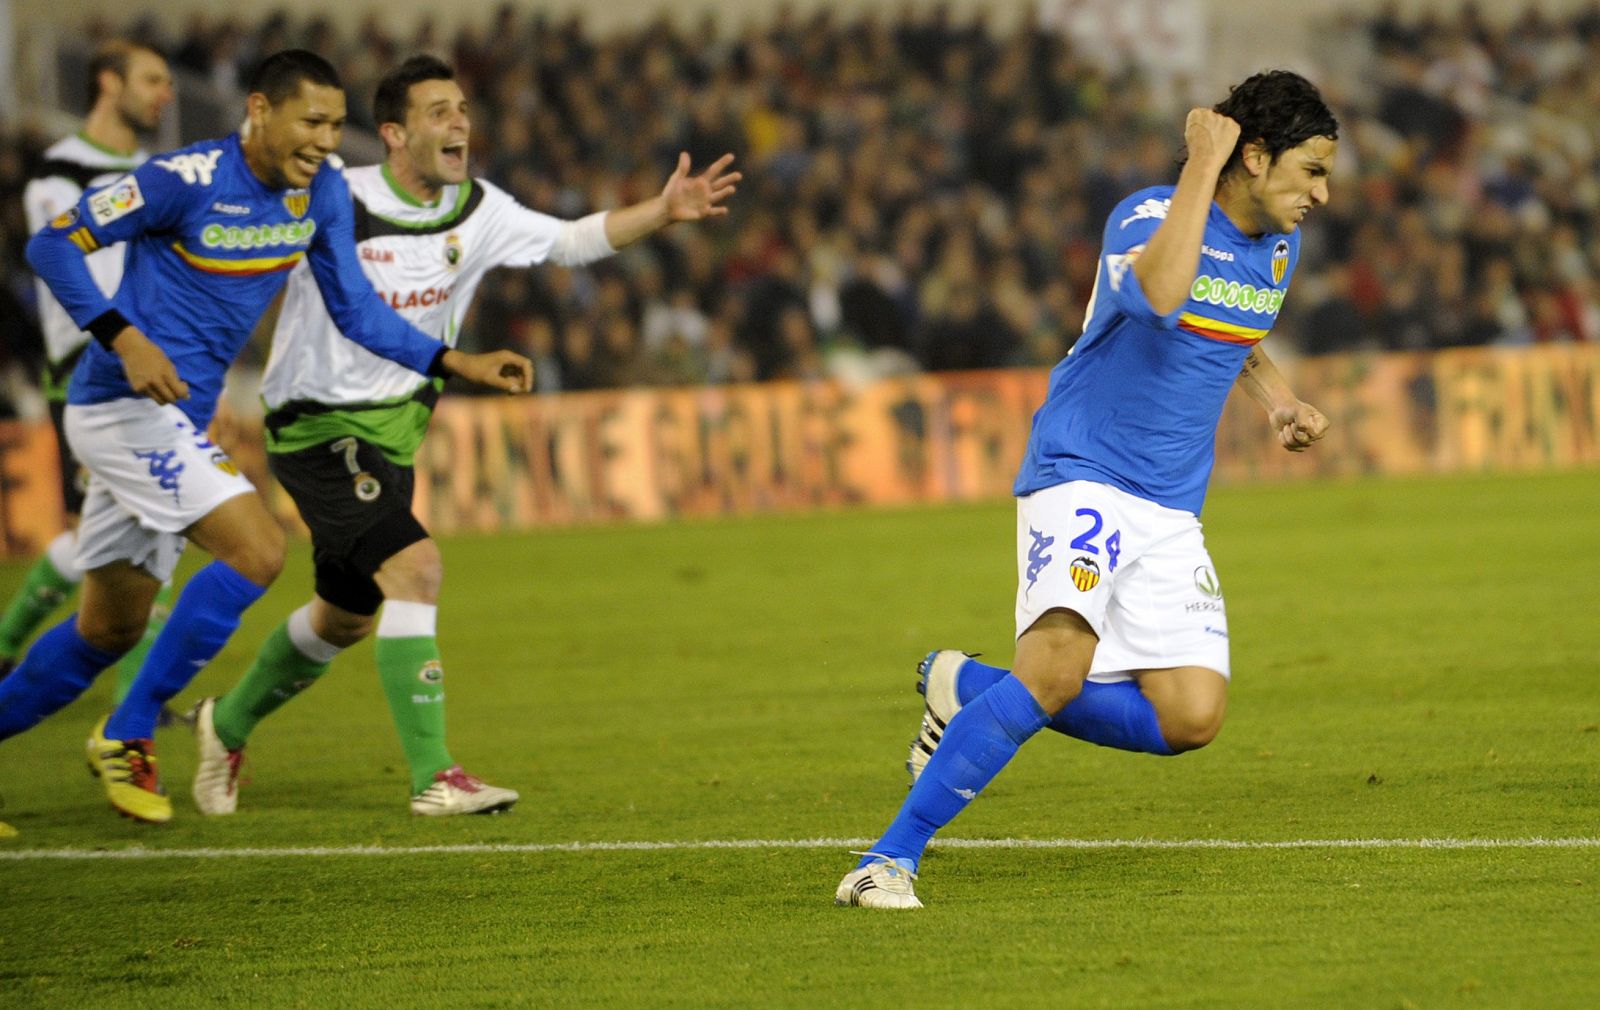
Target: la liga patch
{"x": 119, "y": 199}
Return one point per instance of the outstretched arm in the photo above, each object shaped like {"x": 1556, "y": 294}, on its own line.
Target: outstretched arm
{"x": 1297, "y": 423}
{"x": 684, "y": 198}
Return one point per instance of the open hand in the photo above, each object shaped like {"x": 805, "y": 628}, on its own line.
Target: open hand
{"x": 693, "y": 198}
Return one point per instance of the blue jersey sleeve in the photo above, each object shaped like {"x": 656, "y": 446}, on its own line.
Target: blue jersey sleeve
{"x": 145, "y": 201}
{"x": 1129, "y": 228}
{"x": 351, "y": 300}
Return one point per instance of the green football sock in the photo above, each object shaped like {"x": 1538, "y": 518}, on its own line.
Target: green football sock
{"x": 413, "y": 680}
{"x": 43, "y": 590}
{"x": 128, "y": 666}
{"x": 280, "y": 672}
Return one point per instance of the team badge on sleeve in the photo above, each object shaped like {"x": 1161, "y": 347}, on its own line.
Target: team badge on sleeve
{"x": 65, "y": 219}
{"x": 297, "y": 202}
{"x": 1280, "y": 261}
{"x": 117, "y": 200}
{"x": 1085, "y": 573}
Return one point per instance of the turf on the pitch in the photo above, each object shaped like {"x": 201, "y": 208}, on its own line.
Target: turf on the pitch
{"x": 1413, "y": 660}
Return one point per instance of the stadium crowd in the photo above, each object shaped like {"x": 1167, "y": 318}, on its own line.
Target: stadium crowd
{"x": 923, "y": 193}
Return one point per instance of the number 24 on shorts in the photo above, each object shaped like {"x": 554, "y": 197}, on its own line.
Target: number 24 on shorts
{"x": 1085, "y": 540}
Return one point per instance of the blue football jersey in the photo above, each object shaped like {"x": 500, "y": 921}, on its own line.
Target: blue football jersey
{"x": 1136, "y": 402}
{"x": 208, "y": 247}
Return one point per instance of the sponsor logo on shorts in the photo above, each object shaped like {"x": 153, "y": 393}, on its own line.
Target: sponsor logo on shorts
{"x": 432, "y": 672}
{"x": 163, "y": 468}
{"x": 1037, "y": 558}
{"x": 1205, "y": 580}
{"x": 1085, "y": 573}
{"x": 367, "y": 487}
{"x": 1219, "y": 632}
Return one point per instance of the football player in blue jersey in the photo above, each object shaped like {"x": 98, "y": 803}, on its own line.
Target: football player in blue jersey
{"x": 1122, "y": 638}
{"x": 212, "y": 231}
{"x": 129, "y": 86}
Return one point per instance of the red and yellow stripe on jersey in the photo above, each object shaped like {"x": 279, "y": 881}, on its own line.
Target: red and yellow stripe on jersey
{"x": 1216, "y": 329}
{"x": 239, "y": 267}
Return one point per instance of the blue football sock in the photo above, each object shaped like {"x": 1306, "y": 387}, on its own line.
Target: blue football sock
{"x": 1111, "y": 715}
{"x": 207, "y": 612}
{"x": 59, "y": 667}
{"x": 979, "y": 741}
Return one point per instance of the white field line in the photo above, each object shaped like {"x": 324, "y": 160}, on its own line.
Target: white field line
{"x": 535, "y": 848}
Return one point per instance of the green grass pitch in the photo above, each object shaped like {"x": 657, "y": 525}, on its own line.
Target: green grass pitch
{"x": 1413, "y": 660}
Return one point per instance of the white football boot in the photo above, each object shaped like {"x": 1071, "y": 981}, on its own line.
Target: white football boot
{"x": 216, "y": 774}
{"x": 455, "y": 792}
{"x": 882, "y": 883}
{"x": 936, "y": 680}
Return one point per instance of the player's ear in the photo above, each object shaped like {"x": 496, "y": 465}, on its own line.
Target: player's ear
{"x": 393, "y": 134}
{"x": 256, "y": 107}
{"x": 1255, "y": 157}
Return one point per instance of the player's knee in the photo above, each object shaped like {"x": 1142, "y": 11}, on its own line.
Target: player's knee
{"x": 109, "y": 632}
{"x": 415, "y": 573}
{"x": 260, "y": 558}
{"x": 1191, "y": 727}
{"x": 345, "y": 629}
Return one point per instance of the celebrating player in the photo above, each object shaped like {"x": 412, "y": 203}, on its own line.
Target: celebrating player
{"x": 1122, "y": 639}
{"x": 129, "y": 85}
{"x": 212, "y": 232}
{"x": 343, "y": 424}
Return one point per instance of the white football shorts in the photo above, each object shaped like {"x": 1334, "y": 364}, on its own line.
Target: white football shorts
{"x": 1138, "y": 572}
{"x": 152, "y": 475}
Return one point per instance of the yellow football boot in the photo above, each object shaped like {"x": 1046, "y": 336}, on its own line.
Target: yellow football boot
{"x": 128, "y": 769}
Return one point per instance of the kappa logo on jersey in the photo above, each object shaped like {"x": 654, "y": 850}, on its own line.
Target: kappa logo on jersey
{"x": 115, "y": 201}
{"x": 192, "y": 168}
{"x": 1151, "y": 209}
{"x": 297, "y": 202}
{"x": 230, "y": 208}
{"x": 452, "y": 251}
{"x": 1280, "y": 261}
{"x": 1085, "y": 573}
{"x": 1037, "y": 558}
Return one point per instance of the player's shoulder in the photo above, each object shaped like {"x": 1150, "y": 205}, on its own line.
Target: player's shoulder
{"x": 199, "y": 165}
{"x": 1148, "y": 204}
{"x": 83, "y": 163}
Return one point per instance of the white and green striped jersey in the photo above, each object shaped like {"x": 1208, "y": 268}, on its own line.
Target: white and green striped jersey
{"x": 426, "y": 261}
{"x": 70, "y": 166}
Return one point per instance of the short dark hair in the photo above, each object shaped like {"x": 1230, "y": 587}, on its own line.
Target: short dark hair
{"x": 113, "y": 55}
{"x": 279, "y": 75}
{"x": 1277, "y": 109}
{"x": 394, "y": 91}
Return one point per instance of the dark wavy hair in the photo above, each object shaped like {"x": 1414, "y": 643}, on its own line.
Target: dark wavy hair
{"x": 279, "y": 75}
{"x": 394, "y": 91}
{"x": 1277, "y": 109}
